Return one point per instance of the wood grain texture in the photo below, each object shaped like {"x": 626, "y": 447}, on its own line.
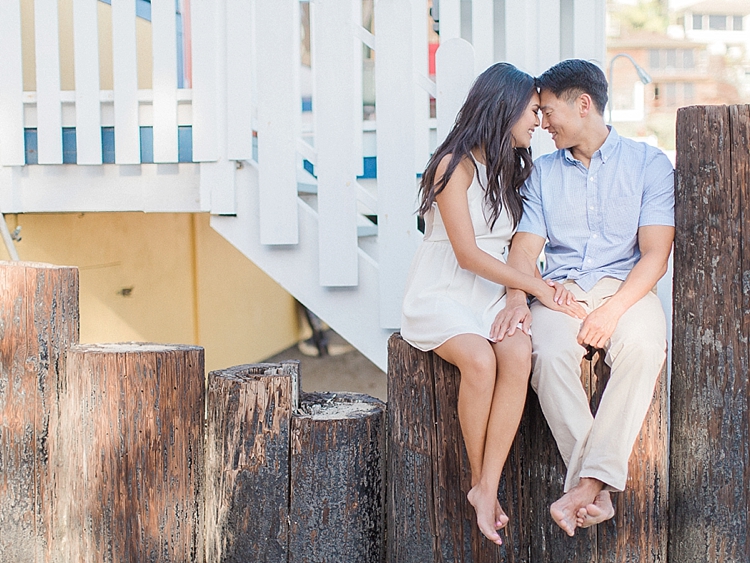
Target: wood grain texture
{"x": 412, "y": 533}
{"x": 131, "y": 445}
{"x": 423, "y": 391}
{"x": 709, "y": 469}
{"x": 249, "y": 411}
{"x": 337, "y": 481}
{"x": 38, "y": 322}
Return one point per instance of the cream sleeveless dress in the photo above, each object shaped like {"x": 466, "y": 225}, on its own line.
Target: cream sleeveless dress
{"x": 443, "y": 300}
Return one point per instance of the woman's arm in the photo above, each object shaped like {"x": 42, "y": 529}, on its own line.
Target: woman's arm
{"x": 454, "y": 209}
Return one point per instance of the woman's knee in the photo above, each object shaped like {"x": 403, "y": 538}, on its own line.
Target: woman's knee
{"x": 478, "y": 370}
{"x": 514, "y": 355}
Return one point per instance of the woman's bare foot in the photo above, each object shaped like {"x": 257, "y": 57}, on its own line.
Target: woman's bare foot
{"x": 597, "y": 512}
{"x": 565, "y": 510}
{"x": 490, "y": 516}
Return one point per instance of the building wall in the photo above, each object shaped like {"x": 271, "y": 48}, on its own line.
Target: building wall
{"x": 67, "y": 69}
{"x": 165, "y": 278}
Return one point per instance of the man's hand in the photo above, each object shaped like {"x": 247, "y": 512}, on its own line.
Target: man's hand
{"x": 597, "y": 327}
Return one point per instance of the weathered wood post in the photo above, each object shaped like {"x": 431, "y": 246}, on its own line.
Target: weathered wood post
{"x": 428, "y": 477}
{"x": 131, "y": 445}
{"x": 710, "y": 434}
{"x": 337, "y": 486}
{"x": 38, "y": 322}
{"x": 290, "y": 477}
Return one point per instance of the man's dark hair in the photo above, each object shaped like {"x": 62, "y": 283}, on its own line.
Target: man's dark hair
{"x": 572, "y": 77}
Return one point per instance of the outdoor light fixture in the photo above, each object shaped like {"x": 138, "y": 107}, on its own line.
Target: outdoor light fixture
{"x": 642, "y": 75}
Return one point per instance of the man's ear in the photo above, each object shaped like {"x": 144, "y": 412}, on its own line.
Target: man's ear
{"x": 585, "y": 104}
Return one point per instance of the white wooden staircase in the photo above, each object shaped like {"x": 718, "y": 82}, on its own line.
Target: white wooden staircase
{"x": 251, "y": 141}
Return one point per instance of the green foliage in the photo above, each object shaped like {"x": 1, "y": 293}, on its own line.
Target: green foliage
{"x": 647, "y": 15}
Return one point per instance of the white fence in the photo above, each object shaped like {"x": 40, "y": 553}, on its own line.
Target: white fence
{"x": 246, "y": 85}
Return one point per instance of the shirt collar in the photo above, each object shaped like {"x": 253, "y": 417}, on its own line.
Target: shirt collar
{"x": 605, "y": 151}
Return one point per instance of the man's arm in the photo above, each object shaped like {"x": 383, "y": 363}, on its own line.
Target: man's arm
{"x": 655, "y": 244}
{"x": 524, "y": 252}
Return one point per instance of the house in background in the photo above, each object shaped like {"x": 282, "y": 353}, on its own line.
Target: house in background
{"x": 700, "y": 58}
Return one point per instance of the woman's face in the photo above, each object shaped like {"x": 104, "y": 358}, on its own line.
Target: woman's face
{"x": 524, "y": 128}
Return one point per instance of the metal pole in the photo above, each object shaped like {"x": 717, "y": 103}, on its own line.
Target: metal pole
{"x": 8, "y": 240}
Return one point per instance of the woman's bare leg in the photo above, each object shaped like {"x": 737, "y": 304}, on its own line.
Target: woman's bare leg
{"x": 475, "y": 359}
{"x": 502, "y": 404}
{"x": 513, "y": 368}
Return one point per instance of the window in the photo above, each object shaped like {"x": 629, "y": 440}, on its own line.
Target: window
{"x": 697, "y": 21}
{"x": 737, "y": 23}
{"x": 671, "y": 58}
{"x": 670, "y": 94}
{"x": 688, "y": 59}
{"x": 688, "y": 93}
{"x": 653, "y": 58}
{"x": 717, "y": 23}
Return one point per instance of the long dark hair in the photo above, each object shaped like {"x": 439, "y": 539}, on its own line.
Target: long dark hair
{"x": 494, "y": 104}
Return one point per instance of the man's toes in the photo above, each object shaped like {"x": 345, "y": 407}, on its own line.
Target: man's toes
{"x": 593, "y": 510}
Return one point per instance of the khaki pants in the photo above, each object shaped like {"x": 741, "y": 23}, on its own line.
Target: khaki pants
{"x": 597, "y": 447}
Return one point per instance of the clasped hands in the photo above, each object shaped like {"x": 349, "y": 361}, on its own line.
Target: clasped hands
{"x": 596, "y": 329}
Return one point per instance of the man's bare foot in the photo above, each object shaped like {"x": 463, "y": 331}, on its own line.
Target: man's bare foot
{"x": 564, "y": 511}
{"x": 490, "y": 516}
{"x": 595, "y": 513}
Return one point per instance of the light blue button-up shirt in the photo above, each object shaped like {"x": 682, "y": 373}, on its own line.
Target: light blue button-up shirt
{"x": 590, "y": 217}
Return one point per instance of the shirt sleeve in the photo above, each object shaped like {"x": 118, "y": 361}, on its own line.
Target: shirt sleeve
{"x": 532, "y": 220}
{"x": 657, "y": 205}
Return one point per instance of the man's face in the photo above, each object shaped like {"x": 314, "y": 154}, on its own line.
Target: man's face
{"x": 561, "y": 119}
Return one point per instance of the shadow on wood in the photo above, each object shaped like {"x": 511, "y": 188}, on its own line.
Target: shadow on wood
{"x": 292, "y": 478}
{"x": 429, "y": 518}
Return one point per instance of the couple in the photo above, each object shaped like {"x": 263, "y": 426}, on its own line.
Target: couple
{"x": 604, "y": 206}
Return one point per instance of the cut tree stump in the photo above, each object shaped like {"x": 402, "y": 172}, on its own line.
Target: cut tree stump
{"x": 131, "y": 445}
{"x": 290, "y": 478}
{"x": 38, "y": 322}
{"x": 428, "y": 516}
{"x": 710, "y": 433}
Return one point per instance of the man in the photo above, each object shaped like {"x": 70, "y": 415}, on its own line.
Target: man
{"x": 605, "y": 206}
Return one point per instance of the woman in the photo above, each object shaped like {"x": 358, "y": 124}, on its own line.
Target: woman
{"x": 456, "y": 286}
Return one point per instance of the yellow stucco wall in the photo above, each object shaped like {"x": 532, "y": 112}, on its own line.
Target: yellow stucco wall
{"x": 166, "y": 278}
{"x": 67, "y": 67}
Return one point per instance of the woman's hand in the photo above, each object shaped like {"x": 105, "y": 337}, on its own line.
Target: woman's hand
{"x": 554, "y": 296}
{"x": 507, "y": 320}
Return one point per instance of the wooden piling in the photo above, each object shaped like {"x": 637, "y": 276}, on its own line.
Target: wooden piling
{"x": 131, "y": 441}
{"x": 38, "y": 322}
{"x": 710, "y": 432}
{"x": 337, "y": 485}
{"x": 249, "y": 411}
{"x": 292, "y": 477}
{"x": 429, "y": 517}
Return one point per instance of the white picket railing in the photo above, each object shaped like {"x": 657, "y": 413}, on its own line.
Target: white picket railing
{"x": 246, "y": 84}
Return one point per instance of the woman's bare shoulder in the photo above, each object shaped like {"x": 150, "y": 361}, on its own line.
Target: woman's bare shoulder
{"x": 462, "y": 175}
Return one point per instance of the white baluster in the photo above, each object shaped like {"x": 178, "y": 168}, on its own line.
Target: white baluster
{"x": 454, "y": 74}
{"x": 48, "y": 108}
{"x": 450, "y": 19}
{"x": 164, "y": 40}
{"x": 397, "y": 183}
{"x": 11, "y": 85}
{"x": 548, "y": 12}
{"x": 239, "y": 80}
{"x": 333, "y": 67}
{"x": 483, "y": 33}
{"x": 127, "y": 132}
{"x": 88, "y": 113}
{"x": 588, "y": 30}
{"x": 279, "y": 117}
{"x": 421, "y": 97}
{"x": 358, "y": 105}
{"x": 204, "y": 105}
